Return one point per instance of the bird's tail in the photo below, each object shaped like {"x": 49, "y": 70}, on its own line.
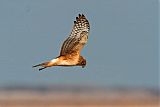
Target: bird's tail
{"x": 43, "y": 65}
{"x": 53, "y": 62}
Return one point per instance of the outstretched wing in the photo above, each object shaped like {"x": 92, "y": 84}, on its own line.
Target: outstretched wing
{"x": 78, "y": 37}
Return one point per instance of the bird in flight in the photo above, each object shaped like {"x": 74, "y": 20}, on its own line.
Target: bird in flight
{"x": 72, "y": 46}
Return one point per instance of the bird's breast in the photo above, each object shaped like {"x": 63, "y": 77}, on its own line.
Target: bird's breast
{"x": 66, "y": 60}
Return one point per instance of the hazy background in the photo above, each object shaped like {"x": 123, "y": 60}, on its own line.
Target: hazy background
{"x": 122, "y": 49}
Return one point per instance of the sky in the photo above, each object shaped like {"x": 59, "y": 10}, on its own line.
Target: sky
{"x": 122, "y": 49}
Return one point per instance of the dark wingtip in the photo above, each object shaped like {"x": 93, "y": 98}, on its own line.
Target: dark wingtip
{"x": 76, "y": 18}
{"x": 74, "y": 21}
{"x": 79, "y": 15}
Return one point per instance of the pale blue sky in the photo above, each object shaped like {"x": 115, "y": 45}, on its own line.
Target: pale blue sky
{"x": 122, "y": 49}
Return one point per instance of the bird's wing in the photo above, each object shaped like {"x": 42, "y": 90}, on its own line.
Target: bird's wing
{"x": 78, "y": 37}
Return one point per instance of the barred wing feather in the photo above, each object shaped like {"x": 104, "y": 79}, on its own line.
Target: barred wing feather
{"x": 78, "y": 37}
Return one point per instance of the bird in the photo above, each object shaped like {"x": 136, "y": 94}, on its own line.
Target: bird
{"x": 70, "y": 53}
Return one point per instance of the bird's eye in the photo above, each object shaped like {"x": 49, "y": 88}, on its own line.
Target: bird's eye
{"x": 83, "y": 63}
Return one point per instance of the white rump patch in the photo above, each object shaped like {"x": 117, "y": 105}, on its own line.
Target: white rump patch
{"x": 54, "y": 60}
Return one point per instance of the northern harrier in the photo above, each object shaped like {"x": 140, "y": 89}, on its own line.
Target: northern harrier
{"x": 72, "y": 46}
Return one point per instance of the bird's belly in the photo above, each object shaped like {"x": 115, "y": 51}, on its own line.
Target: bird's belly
{"x": 67, "y": 63}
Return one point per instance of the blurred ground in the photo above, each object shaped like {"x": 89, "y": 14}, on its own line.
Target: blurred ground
{"x": 78, "y": 97}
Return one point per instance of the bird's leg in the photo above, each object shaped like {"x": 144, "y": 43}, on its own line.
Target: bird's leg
{"x": 42, "y": 68}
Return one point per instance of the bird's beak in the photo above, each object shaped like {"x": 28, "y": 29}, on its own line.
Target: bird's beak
{"x": 83, "y": 66}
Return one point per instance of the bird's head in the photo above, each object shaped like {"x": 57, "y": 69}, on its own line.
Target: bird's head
{"x": 82, "y": 62}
